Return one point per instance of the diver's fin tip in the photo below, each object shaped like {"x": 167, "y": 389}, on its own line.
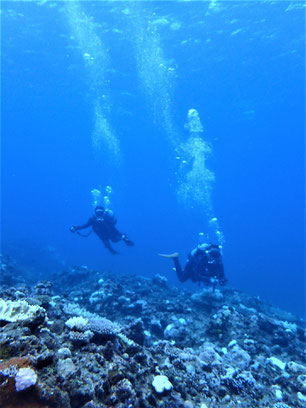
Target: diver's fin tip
{"x": 170, "y": 256}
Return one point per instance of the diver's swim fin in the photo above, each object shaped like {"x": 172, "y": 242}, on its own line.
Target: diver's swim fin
{"x": 170, "y": 256}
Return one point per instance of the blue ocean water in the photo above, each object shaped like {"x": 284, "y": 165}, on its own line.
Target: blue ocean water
{"x": 97, "y": 94}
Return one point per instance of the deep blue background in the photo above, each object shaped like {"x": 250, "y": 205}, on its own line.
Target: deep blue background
{"x": 240, "y": 64}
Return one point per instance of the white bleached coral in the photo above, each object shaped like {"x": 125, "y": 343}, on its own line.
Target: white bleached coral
{"x": 20, "y": 311}
{"x": 161, "y": 383}
{"x": 25, "y": 378}
{"x": 77, "y": 322}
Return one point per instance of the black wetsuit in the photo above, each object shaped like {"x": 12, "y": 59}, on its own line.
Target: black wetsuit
{"x": 105, "y": 230}
{"x": 204, "y": 264}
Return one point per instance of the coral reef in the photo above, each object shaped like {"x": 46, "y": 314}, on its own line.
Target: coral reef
{"x": 130, "y": 342}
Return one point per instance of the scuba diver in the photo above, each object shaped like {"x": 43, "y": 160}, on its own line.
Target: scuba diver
{"x": 204, "y": 264}
{"x": 103, "y": 224}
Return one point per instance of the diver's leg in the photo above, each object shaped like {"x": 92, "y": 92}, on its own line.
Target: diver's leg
{"x": 179, "y": 271}
{"x": 178, "y": 268}
{"x": 108, "y": 246}
{"x": 116, "y": 236}
{"x": 127, "y": 240}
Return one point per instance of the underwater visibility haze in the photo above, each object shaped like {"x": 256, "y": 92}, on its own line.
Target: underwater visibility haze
{"x": 132, "y": 129}
{"x": 188, "y": 116}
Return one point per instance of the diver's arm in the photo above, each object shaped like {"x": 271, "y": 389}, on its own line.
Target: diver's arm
{"x": 80, "y": 227}
{"x": 221, "y": 277}
{"x": 221, "y": 271}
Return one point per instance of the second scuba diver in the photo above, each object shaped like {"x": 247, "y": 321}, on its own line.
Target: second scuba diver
{"x": 204, "y": 264}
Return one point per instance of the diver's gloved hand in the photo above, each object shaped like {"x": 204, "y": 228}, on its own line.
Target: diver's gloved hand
{"x": 73, "y": 228}
{"x": 113, "y": 252}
